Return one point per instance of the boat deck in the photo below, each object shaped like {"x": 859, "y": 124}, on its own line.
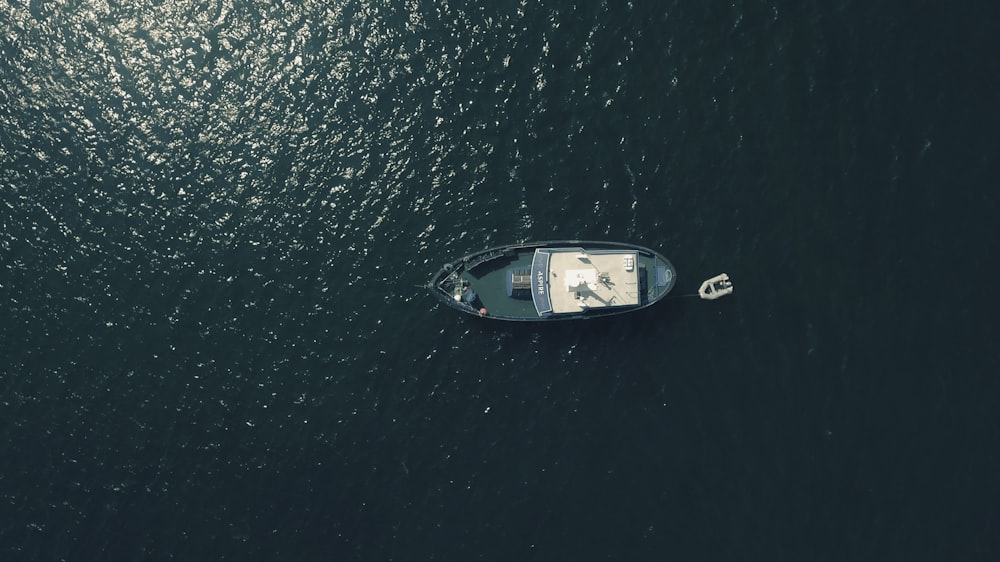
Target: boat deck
{"x": 490, "y": 283}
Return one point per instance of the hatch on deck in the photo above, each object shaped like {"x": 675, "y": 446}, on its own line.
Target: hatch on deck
{"x": 519, "y": 283}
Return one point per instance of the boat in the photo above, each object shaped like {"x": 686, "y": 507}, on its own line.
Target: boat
{"x": 718, "y": 286}
{"x": 554, "y": 280}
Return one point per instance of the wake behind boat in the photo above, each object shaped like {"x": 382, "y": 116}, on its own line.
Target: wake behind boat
{"x": 556, "y": 280}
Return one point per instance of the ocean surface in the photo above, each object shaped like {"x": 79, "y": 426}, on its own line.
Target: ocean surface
{"x": 215, "y": 219}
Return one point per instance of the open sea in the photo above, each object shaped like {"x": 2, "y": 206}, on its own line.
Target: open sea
{"x": 216, "y": 216}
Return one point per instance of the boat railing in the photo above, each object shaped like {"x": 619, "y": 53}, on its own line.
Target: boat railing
{"x": 480, "y": 259}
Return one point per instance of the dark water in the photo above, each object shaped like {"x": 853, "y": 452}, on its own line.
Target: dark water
{"x": 214, "y": 216}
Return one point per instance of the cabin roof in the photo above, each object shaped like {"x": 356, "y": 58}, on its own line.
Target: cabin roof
{"x": 570, "y": 280}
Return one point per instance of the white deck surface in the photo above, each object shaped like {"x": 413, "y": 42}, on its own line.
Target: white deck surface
{"x": 596, "y": 281}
